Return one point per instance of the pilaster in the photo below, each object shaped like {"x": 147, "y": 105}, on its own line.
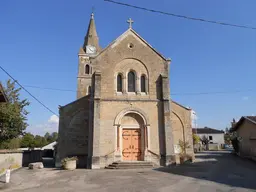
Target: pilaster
{"x": 168, "y": 153}
{"x": 95, "y": 127}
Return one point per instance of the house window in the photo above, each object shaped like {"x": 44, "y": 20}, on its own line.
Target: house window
{"x": 87, "y": 69}
{"x": 143, "y": 83}
{"x": 131, "y": 81}
{"x": 210, "y": 138}
{"x": 119, "y": 83}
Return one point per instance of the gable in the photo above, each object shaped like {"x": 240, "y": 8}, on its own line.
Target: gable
{"x": 249, "y": 119}
{"x": 128, "y": 34}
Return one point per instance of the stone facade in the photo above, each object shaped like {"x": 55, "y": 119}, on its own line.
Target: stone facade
{"x": 93, "y": 126}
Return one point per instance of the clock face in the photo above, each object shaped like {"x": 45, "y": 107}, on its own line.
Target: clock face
{"x": 90, "y": 49}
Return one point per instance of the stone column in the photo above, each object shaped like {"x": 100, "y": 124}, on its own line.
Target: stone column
{"x": 168, "y": 153}
{"x": 137, "y": 86}
{"x": 118, "y": 156}
{"x": 94, "y": 144}
{"x": 125, "y": 85}
{"x": 146, "y": 84}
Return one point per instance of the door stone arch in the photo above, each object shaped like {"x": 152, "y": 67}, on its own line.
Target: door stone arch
{"x": 132, "y": 130}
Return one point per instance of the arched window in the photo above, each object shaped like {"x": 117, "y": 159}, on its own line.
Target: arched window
{"x": 119, "y": 83}
{"x": 87, "y": 69}
{"x": 131, "y": 81}
{"x": 143, "y": 83}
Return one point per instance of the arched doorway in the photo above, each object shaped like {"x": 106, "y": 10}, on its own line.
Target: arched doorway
{"x": 132, "y": 135}
{"x": 132, "y": 141}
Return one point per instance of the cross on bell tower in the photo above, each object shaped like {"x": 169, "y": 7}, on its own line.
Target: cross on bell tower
{"x": 130, "y": 21}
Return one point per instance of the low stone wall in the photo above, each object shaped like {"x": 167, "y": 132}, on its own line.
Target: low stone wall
{"x": 10, "y": 158}
{"x": 213, "y": 146}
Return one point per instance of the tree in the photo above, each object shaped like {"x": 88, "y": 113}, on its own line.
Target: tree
{"x": 235, "y": 140}
{"x": 28, "y": 140}
{"x": 51, "y": 137}
{"x": 13, "y": 115}
{"x": 47, "y": 136}
{"x": 54, "y": 136}
{"x": 11, "y": 144}
{"x": 227, "y": 130}
{"x": 227, "y": 138}
{"x": 40, "y": 141}
{"x": 196, "y": 139}
{"x": 205, "y": 140}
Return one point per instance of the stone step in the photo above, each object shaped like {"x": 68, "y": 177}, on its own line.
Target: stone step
{"x": 130, "y": 165}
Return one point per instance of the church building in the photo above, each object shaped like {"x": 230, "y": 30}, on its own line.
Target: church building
{"x": 123, "y": 111}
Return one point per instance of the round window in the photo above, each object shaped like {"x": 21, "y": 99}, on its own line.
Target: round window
{"x": 130, "y": 45}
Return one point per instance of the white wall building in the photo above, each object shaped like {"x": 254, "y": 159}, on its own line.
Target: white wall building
{"x": 214, "y": 135}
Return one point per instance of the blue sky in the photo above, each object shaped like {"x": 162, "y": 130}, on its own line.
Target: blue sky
{"x": 39, "y": 42}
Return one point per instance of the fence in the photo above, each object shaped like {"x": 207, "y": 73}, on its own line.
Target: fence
{"x": 31, "y": 156}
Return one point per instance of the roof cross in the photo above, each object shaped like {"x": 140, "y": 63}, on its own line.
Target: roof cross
{"x": 130, "y": 21}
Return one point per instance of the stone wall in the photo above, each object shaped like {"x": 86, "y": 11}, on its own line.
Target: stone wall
{"x": 73, "y": 131}
{"x": 10, "y": 158}
{"x": 181, "y": 125}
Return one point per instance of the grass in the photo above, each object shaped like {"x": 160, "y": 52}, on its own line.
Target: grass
{"x": 2, "y": 170}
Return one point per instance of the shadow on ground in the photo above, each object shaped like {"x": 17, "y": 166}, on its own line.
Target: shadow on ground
{"x": 219, "y": 167}
{"x": 48, "y": 162}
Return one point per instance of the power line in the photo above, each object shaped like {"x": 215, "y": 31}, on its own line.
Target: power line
{"x": 181, "y": 16}
{"x": 215, "y": 93}
{"x": 28, "y": 92}
{"x": 48, "y": 88}
{"x": 191, "y": 93}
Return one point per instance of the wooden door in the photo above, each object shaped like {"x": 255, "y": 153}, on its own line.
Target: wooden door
{"x": 127, "y": 149}
{"x": 131, "y": 145}
{"x": 136, "y": 145}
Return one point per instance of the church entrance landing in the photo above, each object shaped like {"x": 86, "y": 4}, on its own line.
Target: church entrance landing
{"x": 131, "y": 139}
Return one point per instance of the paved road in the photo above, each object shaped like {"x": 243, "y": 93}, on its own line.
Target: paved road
{"x": 212, "y": 172}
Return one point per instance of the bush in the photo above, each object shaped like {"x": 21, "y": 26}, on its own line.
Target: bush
{"x": 196, "y": 139}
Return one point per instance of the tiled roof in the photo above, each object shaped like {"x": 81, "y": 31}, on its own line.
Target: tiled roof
{"x": 252, "y": 118}
{"x": 206, "y": 130}
{"x": 248, "y": 118}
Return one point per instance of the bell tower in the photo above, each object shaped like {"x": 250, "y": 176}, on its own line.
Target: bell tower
{"x": 89, "y": 50}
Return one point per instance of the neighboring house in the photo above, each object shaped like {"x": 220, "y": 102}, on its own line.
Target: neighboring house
{"x": 246, "y": 132}
{"x": 3, "y": 97}
{"x": 215, "y": 136}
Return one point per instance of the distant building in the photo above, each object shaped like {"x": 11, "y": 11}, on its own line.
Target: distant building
{"x": 214, "y": 135}
{"x": 246, "y": 132}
